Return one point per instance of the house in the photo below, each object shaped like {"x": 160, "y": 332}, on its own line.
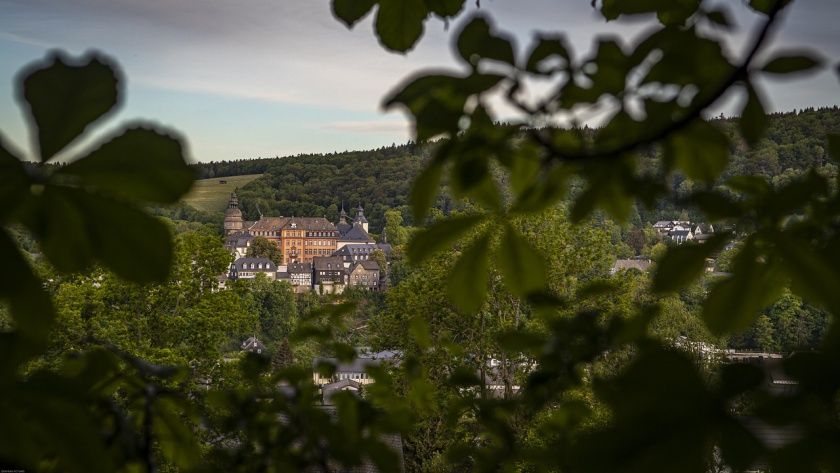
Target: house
{"x": 664, "y": 226}
{"x": 300, "y": 276}
{"x": 355, "y": 370}
{"x": 329, "y": 274}
{"x": 346, "y": 385}
{"x": 365, "y": 274}
{"x": 248, "y": 268}
{"x": 238, "y": 243}
{"x": 252, "y": 345}
{"x": 703, "y": 232}
{"x": 642, "y": 265}
{"x": 680, "y": 234}
{"x": 355, "y": 252}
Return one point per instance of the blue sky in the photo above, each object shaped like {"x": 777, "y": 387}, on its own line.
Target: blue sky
{"x": 280, "y": 77}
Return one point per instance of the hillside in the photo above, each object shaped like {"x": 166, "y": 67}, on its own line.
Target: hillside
{"x": 211, "y": 195}
{"x": 316, "y": 185}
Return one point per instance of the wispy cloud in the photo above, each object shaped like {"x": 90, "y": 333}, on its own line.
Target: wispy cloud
{"x": 370, "y": 126}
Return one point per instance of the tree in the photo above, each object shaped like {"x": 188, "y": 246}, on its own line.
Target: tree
{"x": 262, "y": 247}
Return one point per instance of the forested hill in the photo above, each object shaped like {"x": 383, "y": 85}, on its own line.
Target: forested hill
{"x": 316, "y": 185}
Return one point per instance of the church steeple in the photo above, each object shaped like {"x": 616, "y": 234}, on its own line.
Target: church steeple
{"x": 342, "y": 217}
{"x": 360, "y": 218}
{"x": 233, "y": 216}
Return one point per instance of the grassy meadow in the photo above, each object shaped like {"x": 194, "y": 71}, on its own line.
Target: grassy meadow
{"x": 211, "y": 195}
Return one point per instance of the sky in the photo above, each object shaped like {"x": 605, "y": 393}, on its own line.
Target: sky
{"x": 262, "y": 78}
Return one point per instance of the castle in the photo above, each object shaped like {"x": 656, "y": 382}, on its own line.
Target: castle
{"x": 300, "y": 239}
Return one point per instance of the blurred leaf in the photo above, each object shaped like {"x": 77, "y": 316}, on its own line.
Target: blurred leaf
{"x": 813, "y": 274}
{"x": 141, "y": 163}
{"x": 351, "y": 11}
{"x": 700, "y": 150}
{"x": 733, "y": 302}
{"x": 791, "y": 63}
{"x": 753, "y": 122}
{"x": 65, "y": 98}
{"x": 715, "y": 205}
{"x": 475, "y": 41}
{"x": 14, "y": 182}
{"x": 522, "y": 266}
{"x": 683, "y": 264}
{"x": 445, "y": 8}
{"x": 31, "y": 307}
{"x": 719, "y": 17}
{"x": 668, "y": 12}
{"x": 834, "y": 146}
{"x": 399, "y": 23}
{"x": 467, "y": 286}
{"x": 136, "y": 246}
{"x": 440, "y": 235}
{"x": 738, "y": 378}
{"x": 419, "y": 329}
{"x": 548, "y": 47}
{"x": 425, "y": 189}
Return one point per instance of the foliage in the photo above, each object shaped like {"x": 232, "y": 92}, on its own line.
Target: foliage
{"x": 262, "y": 247}
{"x": 602, "y": 386}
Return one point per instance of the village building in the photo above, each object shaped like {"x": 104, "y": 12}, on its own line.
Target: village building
{"x": 238, "y": 244}
{"x": 355, "y": 370}
{"x": 642, "y": 265}
{"x": 252, "y": 345}
{"x": 330, "y": 276}
{"x": 356, "y": 252}
{"x": 300, "y": 276}
{"x": 366, "y": 274}
{"x": 248, "y": 268}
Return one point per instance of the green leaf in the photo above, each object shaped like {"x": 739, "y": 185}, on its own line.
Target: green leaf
{"x": 439, "y": 235}
{"x": 468, "y": 280}
{"x": 834, "y": 146}
{"x": 65, "y": 97}
{"x": 424, "y": 190}
{"x": 399, "y": 23}
{"x": 475, "y": 41}
{"x": 522, "y": 266}
{"x": 813, "y": 274}
{"x": 791, "y": 63}
{"x": 700, "y": 150}
{"x": 445, "y": 8}
{"x": 133, "y": 244}
{"x": 141, "y": 163}
{"x": 351, "y": 11}
{"x": 719, "y": 17}
{"x": 548, "y": 47}
{"x": 733, "y": 303}
{"x": 31, "y": 307}
{"x": 753, "y": 122}
{"x": 683, "y": 264}
{"x": 14, "y": 182}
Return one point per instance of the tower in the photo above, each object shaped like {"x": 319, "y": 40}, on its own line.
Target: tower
{"x": 360, "y": 218}
{"x": 233, "y": 216}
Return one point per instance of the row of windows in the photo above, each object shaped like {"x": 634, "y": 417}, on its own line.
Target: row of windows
{"x": 318, "y": 251}
{"x": 353, "y": 376}
{"x": 256, "y": 266}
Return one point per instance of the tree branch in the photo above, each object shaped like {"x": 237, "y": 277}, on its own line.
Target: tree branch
{"x": 694, "y": 112}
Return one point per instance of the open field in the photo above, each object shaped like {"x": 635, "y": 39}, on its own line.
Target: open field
{"x": 211, "y": 195}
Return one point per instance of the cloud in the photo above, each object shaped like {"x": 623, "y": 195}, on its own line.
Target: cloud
{"x": 370, "y": 126}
